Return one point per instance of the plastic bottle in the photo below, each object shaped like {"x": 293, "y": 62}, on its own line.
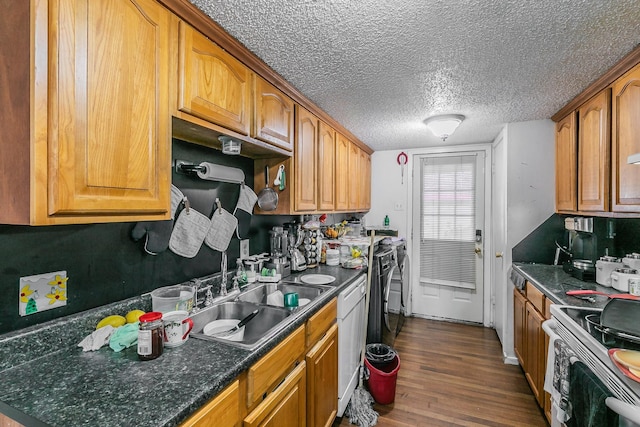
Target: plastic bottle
{"x": 386, "y": 221}
{"x": 241, "y": 274}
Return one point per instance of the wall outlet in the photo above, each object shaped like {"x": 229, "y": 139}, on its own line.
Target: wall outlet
{"x": 398, "y": 206}
{"x": 244, "y": 248}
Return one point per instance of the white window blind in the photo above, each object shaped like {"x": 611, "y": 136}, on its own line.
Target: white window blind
{"x": 447, "y": 235}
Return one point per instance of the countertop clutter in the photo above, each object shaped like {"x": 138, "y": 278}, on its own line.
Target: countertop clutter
{"x": 554, "y": 283}
{"x": 48, "y": 381}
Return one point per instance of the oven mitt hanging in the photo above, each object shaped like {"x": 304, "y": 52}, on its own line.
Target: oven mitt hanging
{"x": 223, "y": 224}
{"x": 158, "y": 232}
{"x": 189, "y": 232}
{"x": 244, "y": 208}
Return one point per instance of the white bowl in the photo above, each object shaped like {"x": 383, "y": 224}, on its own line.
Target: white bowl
{"x": 222, "y": 325}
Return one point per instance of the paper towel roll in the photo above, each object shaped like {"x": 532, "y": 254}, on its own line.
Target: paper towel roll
{"x": 213, "y": 172}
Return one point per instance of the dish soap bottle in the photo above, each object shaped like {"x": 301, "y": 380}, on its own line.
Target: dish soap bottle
{"x": 386, "y": 221}
{"x": 241, "y": 274}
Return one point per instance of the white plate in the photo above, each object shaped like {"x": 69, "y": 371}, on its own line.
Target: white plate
{"x": 317, "y": 279}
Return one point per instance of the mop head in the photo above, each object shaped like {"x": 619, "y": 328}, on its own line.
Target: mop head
{"x": 359, "y": 409}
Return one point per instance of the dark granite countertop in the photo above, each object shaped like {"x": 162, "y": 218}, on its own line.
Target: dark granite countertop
{"x": 554, "y": 282}
{"x": 48, "y": 381}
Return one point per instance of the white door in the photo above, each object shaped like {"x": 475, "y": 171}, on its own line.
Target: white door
{"x": 448, "y": 218}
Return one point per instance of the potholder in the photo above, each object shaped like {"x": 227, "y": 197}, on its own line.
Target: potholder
{"x": 189, "y": 232}
{"x": 223, "y": 224}
{"x": 244, "y": 208}
{"x": 158, "y": 232}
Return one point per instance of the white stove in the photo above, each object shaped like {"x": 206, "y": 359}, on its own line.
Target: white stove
{"x": 592, "y": 346}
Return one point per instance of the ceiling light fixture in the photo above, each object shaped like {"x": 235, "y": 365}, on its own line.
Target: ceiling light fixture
{"x": 634, "y": 159}
{"x": 444, "y": 125}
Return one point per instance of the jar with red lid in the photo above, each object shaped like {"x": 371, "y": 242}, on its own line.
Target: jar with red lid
{"x": 150, "y": 336}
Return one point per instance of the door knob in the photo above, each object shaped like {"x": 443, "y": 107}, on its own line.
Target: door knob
{"x": 498, "y": 254}
{"x": 478, "y": 251}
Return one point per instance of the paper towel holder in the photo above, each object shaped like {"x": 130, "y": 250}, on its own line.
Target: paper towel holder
{"x": 217, "y": 173}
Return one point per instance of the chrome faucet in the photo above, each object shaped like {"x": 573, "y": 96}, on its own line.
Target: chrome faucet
{"x": 223, "y": 272}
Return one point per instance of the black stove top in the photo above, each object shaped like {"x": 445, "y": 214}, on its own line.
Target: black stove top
{"x": 589, "y": 320}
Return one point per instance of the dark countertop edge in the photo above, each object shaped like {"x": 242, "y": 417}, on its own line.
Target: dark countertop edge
{"x": 215, "y": 387}
{"x": 540, "y": 286}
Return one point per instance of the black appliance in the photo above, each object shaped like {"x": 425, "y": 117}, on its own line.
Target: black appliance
{"x": 382, "y": 327}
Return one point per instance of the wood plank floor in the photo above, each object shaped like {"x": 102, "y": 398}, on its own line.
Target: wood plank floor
{"x": 452, "y": 375}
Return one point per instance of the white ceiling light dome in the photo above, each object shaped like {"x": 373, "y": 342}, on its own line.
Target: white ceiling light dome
{"x": 443, "y": 125}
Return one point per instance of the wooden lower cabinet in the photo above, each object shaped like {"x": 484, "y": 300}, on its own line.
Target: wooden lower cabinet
{"x": 322, "y": 380}
{"x": 285, "y": 406}
{"x": 530, "y": 344}
{"x": 547, "y": 396}
{"x": 222, "y": 411}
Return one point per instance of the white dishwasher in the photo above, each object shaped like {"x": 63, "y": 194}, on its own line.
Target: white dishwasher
{"x": 351, "y": 336}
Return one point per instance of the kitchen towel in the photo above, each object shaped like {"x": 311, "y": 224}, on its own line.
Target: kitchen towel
{"x": 517, "y": 279}
{"x": 587, "y": 395}
{"x": 563, "y": 359}
{"x": 221, "y": 229}
{"x": 244, "y": 208}
{"x": 97, "y": 339}
{"x": 125, "y": 336}
{"x": 158, "y": 233}
{"x": 189, "y": 232}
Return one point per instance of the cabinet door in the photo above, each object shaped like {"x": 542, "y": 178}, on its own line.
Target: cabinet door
{"x": 342, "y": 172}
{"x": 626, "y": 141}
{"x": 534, "y": 359}
{"x": 519, "y": 326}
{"x": 353, "y": 173}
{"x": 547, "y": 396}
{"x": 365, "y": 181}
{"x": 273, "y": 115}
{"x": 285, "y": 407}
{"x": 326, "y": 167}
{"x": 306, "y": 160}
{"x": 109, "y": 140}
{"x": 566, "y": 164}
{"x": 222, "y": 411}
{"x": 322, "y": 380}
{"x": 593, "y": 153}
{"x": 213, "y": 85}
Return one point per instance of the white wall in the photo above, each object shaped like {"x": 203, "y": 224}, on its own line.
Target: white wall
{"x": 530, "y": 148}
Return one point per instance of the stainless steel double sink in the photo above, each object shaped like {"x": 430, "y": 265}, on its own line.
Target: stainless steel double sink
{"x": 269, "y": 321}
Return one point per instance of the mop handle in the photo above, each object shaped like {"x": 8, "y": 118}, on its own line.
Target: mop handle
{"x": 367, "y": 301}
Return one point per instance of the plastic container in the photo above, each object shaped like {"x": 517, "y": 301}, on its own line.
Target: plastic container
{"x": 379, "y": 355}
{"x": 333, "y": 257}
{"x": 382, "y": 381}
{"x": 172, "y": 298}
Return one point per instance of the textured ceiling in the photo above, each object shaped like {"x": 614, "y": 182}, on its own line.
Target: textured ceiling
{"x": 380, "y": 67}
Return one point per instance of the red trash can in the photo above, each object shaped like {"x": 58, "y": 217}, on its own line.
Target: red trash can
{"x": 382, "y": 381}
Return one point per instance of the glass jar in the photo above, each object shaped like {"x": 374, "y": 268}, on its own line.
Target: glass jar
{"x": 150, "y": 336}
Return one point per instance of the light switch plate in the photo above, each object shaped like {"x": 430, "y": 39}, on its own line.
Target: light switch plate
{"x": 42, "y": 292}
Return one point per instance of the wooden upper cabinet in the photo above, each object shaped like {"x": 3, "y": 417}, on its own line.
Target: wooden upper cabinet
{"x": 306, "y": 161}
{"x": 326, "y": 167}
{"x": 365, "y": 181}
{"x": 625, "y": 142}
{"x": 98, "y": 144}
{"x": 273, "y": 119}
{"x": 342, "y": 172}
{"x": 213, "y": 85}
{"x": 566, "y": 164}
{"x": 352, "y": 178}
{"x": 594, "y": 130}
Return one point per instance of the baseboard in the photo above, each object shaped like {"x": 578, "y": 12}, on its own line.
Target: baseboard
{"x": 510, "y": 360}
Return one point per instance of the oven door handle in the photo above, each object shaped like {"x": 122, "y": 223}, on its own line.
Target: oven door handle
{"x": 630, "y": 412}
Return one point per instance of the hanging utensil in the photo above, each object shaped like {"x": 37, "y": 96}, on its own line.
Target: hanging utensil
{"x": 267, "y": 198}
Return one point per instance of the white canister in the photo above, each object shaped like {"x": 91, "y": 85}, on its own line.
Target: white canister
{"x": 634, "y": 286}
{"x": 333, "y": 257}
{"x": 632, "y": 261}
{"x": 604, "y": 267}
{"x": 620, "y": 278}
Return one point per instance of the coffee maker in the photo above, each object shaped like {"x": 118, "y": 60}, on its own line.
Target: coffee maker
{"x": 581, "y": 249}
{"x": 278, "y": 260}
